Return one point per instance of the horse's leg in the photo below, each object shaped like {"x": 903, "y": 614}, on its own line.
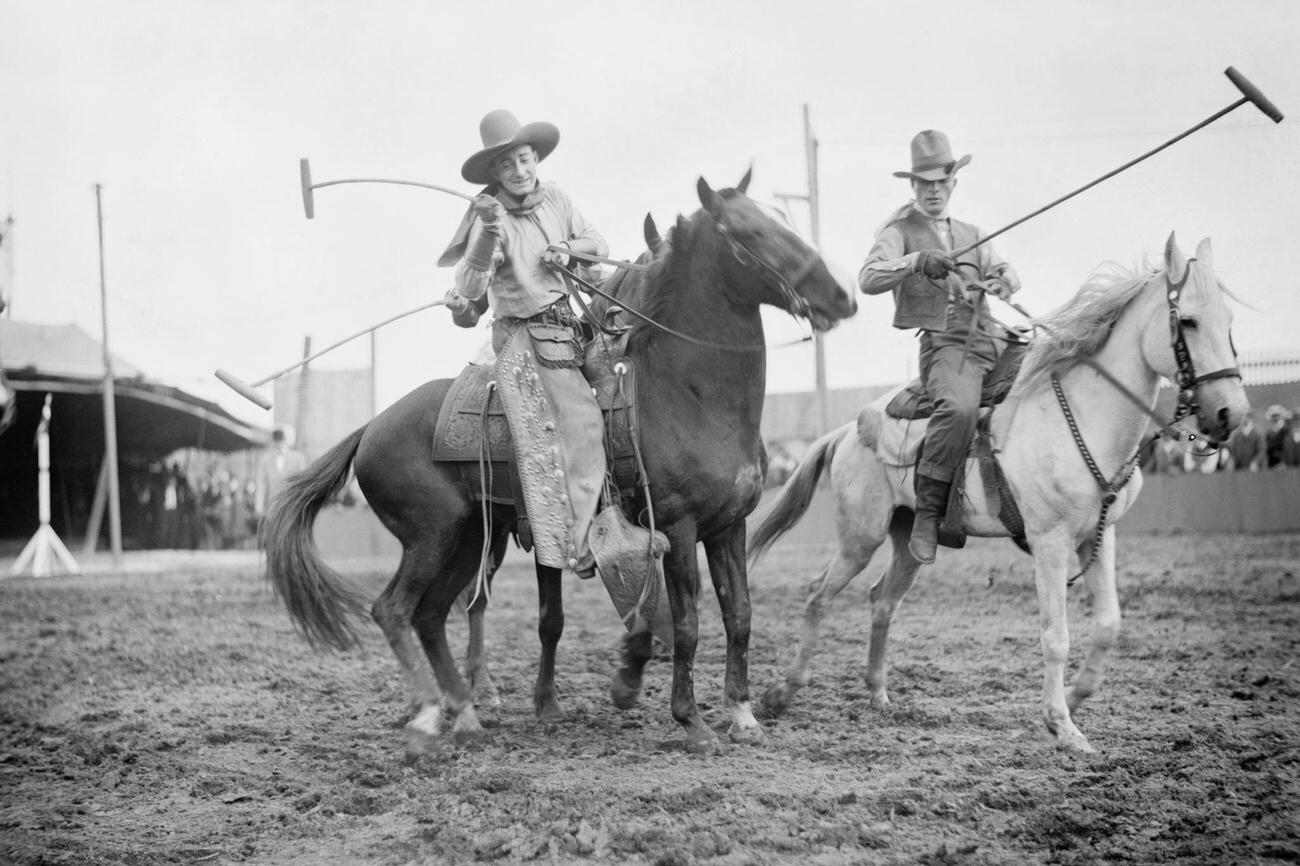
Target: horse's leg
{"x": 726, "y": 557}
{"x": 1051, "y": 560}
{"x": 886, "y": 594}
{"x": 682, "y": 574}
{"x": 625, "y": 686}
{"x": 430, "y": 623}
{"x": 1105, "y": 622}
{"x": 550, "y": 625}
{"x": 476, "y": 667}
{"x": 861, "y": 530}
{"x": 393, "y": 611}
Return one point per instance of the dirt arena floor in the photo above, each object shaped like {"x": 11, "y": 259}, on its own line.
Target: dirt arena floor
{"x": 174, "y": 716}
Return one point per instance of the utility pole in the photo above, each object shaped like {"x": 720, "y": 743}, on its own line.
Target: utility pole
{"x": 110, "y": 411}
{"x": 813, "y": 198}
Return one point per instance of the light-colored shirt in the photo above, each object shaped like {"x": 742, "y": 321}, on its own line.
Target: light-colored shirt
{"x": 518, "y": 283}
{"x": 887, "y": 263}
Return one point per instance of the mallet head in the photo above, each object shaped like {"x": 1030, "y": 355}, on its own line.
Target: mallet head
{"x": 308, "y": 199}
{"x": 243, "y": 388}
{"x": 1252, "y": 93}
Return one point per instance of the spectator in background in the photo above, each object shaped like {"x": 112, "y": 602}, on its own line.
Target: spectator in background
{"x": 1166, "y": 457}
{"x": 1247, "y": 450}
{"x": 275, "y": 467}
{"x": 1198, "y": 458}
{"x": 1279, "y": 422}
{"x": 1289, "y": 450}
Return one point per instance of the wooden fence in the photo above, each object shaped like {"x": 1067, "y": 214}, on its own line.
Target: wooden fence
{"x": 1248, "y": 502}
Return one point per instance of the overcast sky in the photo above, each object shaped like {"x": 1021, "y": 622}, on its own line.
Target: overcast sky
{"x": 193, "y": 116}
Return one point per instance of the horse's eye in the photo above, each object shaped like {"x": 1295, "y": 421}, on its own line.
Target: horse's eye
{"x": 1188, "y": 322}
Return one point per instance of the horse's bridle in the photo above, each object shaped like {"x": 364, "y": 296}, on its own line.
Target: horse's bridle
{"x": 1187, "y": 382}
{"x": 798, "y": 305}
{"x": 1186, "y": 378}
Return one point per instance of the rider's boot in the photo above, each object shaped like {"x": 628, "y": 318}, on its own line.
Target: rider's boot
{"x": 931, "y": 502}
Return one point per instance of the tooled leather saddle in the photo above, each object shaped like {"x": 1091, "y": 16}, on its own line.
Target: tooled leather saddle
{"x": 472, "y": 435}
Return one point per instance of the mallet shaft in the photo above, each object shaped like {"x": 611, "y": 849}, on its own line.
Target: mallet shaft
{"x": 1251, "y": 95}
{"x": 244, "y": 389}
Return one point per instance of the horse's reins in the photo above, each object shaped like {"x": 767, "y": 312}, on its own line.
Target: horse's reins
{"x": 798, "y": 305}
{"x": 1185, "y": 377}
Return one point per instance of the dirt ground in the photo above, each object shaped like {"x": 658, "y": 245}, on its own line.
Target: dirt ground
{"x": 176, "y": 717}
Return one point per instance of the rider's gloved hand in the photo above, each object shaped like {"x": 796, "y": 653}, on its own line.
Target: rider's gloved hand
{"x": 1002, "y": 284}
{"x": 456, "y": 302}
{"x": 556, "y": 258}
{"x": 488, "y": 208}
{"x": 934, "y": 264}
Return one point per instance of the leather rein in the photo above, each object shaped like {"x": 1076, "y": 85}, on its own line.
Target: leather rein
{"x": 798, "y": 306}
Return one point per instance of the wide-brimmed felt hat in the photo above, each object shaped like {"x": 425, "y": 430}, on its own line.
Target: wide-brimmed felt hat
{"x": 500, "y": 131}
{"x": 932, "y": 157}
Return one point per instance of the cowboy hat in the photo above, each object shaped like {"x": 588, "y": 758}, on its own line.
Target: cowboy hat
{"x": 501, "y": 131}
{"x": 932, "y": 157}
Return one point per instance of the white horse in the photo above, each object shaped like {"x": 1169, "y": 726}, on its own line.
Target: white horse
{"x": 1105, "y": 352}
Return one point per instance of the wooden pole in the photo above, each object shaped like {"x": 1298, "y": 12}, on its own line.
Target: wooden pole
{"x": 814, "y": 207}
{"x": 304, "y": 398}
{"x": 374, "y": 379}
{"x": 110, "y": 410}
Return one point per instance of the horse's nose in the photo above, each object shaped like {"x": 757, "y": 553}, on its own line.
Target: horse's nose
{"x": 848, "y": 289}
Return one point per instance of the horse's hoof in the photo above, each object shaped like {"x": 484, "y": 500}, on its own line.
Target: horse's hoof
{"x": 624, "y": 695}
{"x": 486, "y": 697}
{"x": 880, "y": 701}
{"x": 548, "y": 710}
{"x": 747, "y": 736}
{"x": 702, "y": 744}
{"x": 1075, "y": 742}
{"x": 418, "y": 743}
{"x": 774, "y": 702}
{"x": 467, "y": 728}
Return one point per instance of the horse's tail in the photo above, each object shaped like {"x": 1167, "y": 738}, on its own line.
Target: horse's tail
{"x": 318, "y": 598}
{"x": 797, "y": 493}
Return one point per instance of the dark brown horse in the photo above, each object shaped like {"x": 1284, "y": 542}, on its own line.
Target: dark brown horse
{"x": 700, "y": 390}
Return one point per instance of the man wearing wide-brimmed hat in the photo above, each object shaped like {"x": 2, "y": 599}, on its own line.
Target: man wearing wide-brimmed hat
{"x": 911, "y": 258}
{"x": 502, "y": 252}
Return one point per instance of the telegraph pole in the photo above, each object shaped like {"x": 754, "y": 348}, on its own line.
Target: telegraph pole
{"x": 110, "y": 410}
{"x": 813, "y": 198}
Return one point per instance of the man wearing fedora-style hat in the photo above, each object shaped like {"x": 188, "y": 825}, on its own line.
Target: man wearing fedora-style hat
{"x": 911, "y": 258}
{"x": 501, "y": 253}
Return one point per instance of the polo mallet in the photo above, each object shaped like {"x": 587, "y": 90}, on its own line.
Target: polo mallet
{"x": 1250, "y": 93}
{"x": 245, "y": 390}
{"x": 308, "y": 188}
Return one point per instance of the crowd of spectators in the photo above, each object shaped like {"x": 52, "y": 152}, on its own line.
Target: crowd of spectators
{"x": 1250, "y": 448}
{"x": 167, "y": 507}
{"x": 173, "y": 505}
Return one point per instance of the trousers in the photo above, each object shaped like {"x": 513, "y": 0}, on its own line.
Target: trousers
{"x": 953, "y": 367}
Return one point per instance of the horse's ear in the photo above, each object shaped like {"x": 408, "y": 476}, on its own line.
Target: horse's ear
{"x": 1175, "y": 261}
{"x": 744, "y": 181}
{"x": 653, "y": 240}
{"x": 1204, "y": 254}
{"x": 708, "y": 197}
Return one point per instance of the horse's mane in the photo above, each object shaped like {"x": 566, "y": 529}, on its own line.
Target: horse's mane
{"x": 1081, "y": 327}
{"x": 664, "y": 274}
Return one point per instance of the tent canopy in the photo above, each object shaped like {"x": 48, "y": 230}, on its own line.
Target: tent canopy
{"x": 153, "y": 419}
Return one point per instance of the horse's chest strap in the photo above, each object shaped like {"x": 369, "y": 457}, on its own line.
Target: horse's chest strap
{"x": 1109, "y": 489}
